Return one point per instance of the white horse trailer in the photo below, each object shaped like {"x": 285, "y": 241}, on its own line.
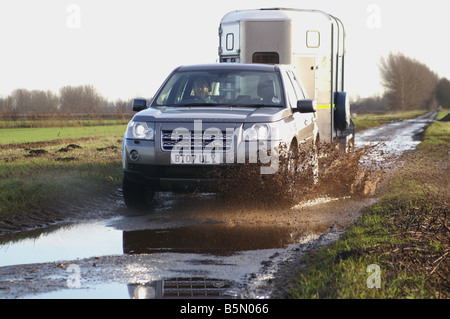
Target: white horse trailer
{"x": 310, "y": 40}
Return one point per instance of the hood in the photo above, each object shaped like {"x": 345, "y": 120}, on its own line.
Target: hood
{"x": 213, "y": 114}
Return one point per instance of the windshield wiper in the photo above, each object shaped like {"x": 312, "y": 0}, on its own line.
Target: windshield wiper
{"x": 256, "y": 105}
{"x": 197, "y": 104}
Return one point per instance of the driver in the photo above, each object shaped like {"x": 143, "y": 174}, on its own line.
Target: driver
{"x": 201, "y": 91}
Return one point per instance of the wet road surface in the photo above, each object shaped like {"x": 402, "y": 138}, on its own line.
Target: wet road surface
{"x": 189, "y": 245}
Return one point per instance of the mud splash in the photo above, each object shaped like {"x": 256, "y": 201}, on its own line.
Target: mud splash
{"x": 329, "y": 172}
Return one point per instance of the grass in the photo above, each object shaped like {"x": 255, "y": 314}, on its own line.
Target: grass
{"x": 27, "y": 135}
{"x": 406, "y": 234}
{"x": 20, "y": 123}
{"x": 82, "y": 162}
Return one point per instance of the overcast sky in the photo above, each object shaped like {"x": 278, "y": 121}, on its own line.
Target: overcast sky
{"x": 127, "y": 48}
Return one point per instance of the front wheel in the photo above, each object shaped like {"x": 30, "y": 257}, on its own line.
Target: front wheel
{"x": 135, "y": 195}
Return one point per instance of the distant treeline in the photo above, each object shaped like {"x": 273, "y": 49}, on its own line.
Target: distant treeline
{"x": 81, "y": 100}
{"x": 408, "y": 85}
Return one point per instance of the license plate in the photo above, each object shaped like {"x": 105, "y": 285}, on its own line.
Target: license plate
{"x": 201, "y": 158}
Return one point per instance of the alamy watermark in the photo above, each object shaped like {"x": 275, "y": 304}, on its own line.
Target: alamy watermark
{"x": 74, "y": 279}
{"x": 73, "y": 20}
{"x": 374, "y": 18}
{"x": 374, "y": 279}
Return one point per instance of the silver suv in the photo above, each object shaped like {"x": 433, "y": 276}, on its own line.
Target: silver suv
{"x": 206, "y": 119}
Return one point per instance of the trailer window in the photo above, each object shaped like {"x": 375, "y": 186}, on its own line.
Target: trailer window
{"x": 312, "y": 39}
{"x": 266, "y": 57}
{"x": 230, "y": 41}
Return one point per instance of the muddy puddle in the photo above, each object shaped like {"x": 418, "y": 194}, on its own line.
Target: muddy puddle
{"x": 87, "y": 240}
{"x": 196, "y": 245}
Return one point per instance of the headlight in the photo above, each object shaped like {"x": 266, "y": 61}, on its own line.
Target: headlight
{"x": 144, "y": 292}
{"x": 140, "y": 130}
{"x": 257, "y": 132}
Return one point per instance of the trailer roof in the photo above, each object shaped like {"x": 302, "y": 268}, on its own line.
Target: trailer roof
{"x": 272, "y": 14}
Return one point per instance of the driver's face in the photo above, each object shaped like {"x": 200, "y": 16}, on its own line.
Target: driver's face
{"x": 201, "y": 89}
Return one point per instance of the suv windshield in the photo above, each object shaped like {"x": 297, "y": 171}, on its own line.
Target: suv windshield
{"x": 221, "y": 87}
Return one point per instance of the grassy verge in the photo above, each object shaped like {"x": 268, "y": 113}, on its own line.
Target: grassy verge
{"x": 405, "y": 235}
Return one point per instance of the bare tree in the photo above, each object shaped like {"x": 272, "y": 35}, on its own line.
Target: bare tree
{"x": 122, "y": 106}
{"x": 370, "y": 104}
{"x": 22, "y": 101}
{"x": 409, "y": 84}
{"x": 443, "y": 92}
{"x": 6, "y": 105}
{"x": 44, "y": 102}
{"x": 81, "y": 99}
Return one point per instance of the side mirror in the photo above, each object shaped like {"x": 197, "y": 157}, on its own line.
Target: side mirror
{"x": 306, "y": 106}
{"x": 139, "y": 104}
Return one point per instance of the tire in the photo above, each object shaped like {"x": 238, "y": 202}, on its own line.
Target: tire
{"x": 135, "y": 195}
{"x": 308, "y": 164}
{"x": 290, "y": 169}
{"x": 300, "y": 170}
{"x": 292, "y": 160}
{"x": 342, "y": 112}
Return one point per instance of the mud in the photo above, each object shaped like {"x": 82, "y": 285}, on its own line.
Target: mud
{"x": 68, "y": 148}
{"x": 337, "y": 174}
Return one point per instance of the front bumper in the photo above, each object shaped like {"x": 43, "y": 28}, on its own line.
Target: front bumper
{"x": 189, "y": 178}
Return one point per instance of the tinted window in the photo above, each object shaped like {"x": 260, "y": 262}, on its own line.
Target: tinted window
{"x": 266, "y": 57}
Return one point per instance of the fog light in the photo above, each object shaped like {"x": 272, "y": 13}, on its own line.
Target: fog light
{"x": 134, "y": 155}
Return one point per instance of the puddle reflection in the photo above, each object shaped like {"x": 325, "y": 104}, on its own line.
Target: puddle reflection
{"x": 64, "y": 243}
{"x": 173, "y": 288}
{"x": 184, "y": 288}
{"x": 75, "y": 242}
{"x": 208, "y": 238}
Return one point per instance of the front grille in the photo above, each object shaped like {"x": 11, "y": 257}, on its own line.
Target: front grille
{"x": 222, "y": 141}
{"x": 195, "y": 287}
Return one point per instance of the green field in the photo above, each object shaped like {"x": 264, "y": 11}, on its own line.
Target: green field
{"x": 44, "y": 167}
{"x": 27, "y": 135}
{"x": 26, "y": 131}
